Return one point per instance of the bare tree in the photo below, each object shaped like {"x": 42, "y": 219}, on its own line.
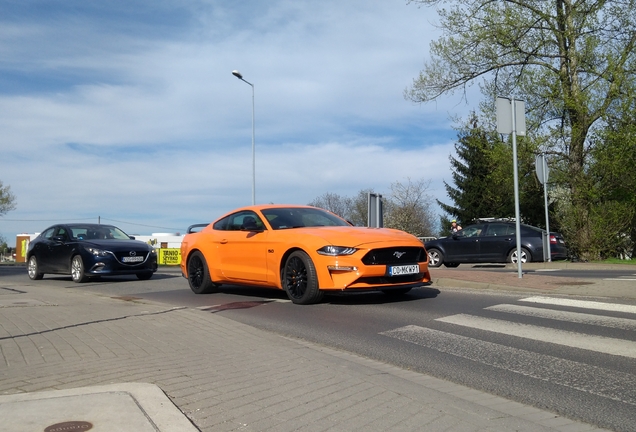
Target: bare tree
{"x": 7, "y": 199}
{"x": 409, "y": 208}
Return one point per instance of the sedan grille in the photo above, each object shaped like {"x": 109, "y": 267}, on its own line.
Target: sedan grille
{"x": 131, "y": 257}
{"x": 395, "y": 255}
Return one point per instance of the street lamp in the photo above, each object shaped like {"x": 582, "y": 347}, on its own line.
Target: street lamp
{"x": 239, "y": 76}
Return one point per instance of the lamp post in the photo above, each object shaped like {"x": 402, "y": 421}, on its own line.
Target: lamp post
{"x": 239, "y": 76}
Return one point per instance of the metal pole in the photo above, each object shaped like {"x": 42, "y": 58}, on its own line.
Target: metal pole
{"x": 545, "y": 199}
{"x": 516, "y": 180}
{"x": 253, "y": 153}
{"x": 239, "y": 76}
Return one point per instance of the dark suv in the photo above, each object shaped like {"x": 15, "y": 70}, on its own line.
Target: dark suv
{"x": 493, "y": 242}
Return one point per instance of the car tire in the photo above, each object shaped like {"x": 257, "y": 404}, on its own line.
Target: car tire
{"x": 199, "y": 275}
{"x": 144, "y": 275}
{"x": 435, "y": 257}
{"x": 525, "y": 256}
{"x": 299, "y": 279}
{"x": 33, "y": 269}
{"x": 451, "y": 265}
{"x": 77, "y": 270}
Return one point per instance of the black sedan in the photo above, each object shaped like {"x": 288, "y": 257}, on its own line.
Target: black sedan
{"x": 89, "y": 250}
{"x": 493, "y": 242}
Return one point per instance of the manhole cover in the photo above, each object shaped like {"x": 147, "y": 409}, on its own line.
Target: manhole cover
{"x": 69, "y": 426}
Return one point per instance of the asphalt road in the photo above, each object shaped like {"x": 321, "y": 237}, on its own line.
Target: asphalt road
{"x": 567, "y": 358}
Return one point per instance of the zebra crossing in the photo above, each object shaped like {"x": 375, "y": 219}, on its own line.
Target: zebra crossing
{"x": 593, "y": 379}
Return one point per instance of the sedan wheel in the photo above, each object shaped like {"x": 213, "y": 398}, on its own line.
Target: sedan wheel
{"x": 77, "y": 270}
{"x": 33, "y": 270}
{"x": 199, "y": 275}
{"x": 435, "y": 258}
{"x": 299, "y": 279}
{"x": 525, "y": 256}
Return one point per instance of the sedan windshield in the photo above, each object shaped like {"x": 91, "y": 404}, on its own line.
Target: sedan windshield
{"x": 99, "y": 232}
{"x": 294, "y": 217}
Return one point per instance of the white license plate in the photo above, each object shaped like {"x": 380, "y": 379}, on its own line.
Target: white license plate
{"x": 404, "y": 270}
{"x": 132, "y": 259}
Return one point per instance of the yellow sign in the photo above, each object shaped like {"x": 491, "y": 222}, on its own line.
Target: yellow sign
{"x": 171, "y": 256}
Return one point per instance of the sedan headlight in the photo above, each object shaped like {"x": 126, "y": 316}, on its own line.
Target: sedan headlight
{"x": 336, "y": 250}
{"x": 97, "y": 252}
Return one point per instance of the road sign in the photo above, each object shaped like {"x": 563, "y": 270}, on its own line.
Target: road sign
{"x": 504, "y": 116}
{"x": 541, "y": 167}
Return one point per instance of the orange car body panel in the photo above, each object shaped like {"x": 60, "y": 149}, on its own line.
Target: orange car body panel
{"x": 257, "y": 257}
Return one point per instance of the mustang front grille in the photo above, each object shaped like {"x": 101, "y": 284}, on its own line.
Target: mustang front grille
{"x": 395, "y": 255}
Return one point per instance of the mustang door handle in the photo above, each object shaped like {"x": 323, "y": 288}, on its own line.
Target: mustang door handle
{"x": 224, "y": 241}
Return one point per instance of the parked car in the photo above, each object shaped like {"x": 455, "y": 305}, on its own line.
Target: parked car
{"x": 493, "y": 242}
{"x": 89, "y": 250}
{"x": 302, "y": 250}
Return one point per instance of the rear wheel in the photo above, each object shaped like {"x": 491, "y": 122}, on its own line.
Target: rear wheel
{"x": 77, "y": 270}
{"x": 435, "y": 257}
{"x": 33, "y": 269}
{"x": 199, "y": 275}
{"x": 525, "y": 256}
{"x": 299, "y": 279}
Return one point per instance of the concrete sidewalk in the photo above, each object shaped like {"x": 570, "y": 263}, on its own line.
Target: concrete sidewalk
{"x": 72, "y": 360}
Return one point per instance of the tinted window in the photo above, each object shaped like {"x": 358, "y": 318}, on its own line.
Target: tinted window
{"x": 282, "y": 218}
{"x": 498, "y": 229}
{"x": 472, "y": 231}
{"x": 48, "y": 233}
{"x": 244, "y": 220}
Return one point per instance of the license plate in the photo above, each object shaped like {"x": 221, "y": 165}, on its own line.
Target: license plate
{"x": 132, "y": 259}
{"x": 404, "y": 270}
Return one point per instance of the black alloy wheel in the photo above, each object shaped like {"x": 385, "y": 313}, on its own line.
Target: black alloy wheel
{"x": 299, "y": 279}
{"x": 199, "y": 275}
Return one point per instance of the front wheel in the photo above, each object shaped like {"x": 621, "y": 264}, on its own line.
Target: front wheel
{"x": 435, "y": 257}
{"x": 77, "y": 270}
{"x": 525, "y": 256}
{"x": 33, "y": 269}
{"x": 199, "y": 275}
{"x": 299, "y": 279}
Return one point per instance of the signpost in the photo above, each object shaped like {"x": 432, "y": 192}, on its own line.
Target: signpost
{"x": 375, "y": 211}
{"x": 541, "y": 166}
{"x": 511, "y": 119}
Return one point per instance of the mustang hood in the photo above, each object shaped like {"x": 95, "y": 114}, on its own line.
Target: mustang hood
{"x": 357, "y": 236}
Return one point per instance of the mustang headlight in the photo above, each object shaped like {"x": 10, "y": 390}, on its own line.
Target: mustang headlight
{"x": 336, "y": 250}
{"x": 97, "y": 252}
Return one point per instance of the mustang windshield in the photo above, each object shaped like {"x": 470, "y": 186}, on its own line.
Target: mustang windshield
{"x": 294, "y": 217}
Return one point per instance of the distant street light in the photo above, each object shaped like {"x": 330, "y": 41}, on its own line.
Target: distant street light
{"x": 239, "y": 76}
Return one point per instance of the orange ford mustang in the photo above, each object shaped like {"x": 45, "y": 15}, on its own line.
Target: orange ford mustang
{"x": 302, "y": 250}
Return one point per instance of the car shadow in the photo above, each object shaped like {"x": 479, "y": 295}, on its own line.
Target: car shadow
{"x": 337, "y": 297}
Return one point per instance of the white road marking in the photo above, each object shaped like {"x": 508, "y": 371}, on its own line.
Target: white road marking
{"x": 547, "y": 270}
{"x": 576, "y": 317}
{"x": 602, "y": 382}
{"x": 583, "y": 304}
{"x": 600, "y": 344}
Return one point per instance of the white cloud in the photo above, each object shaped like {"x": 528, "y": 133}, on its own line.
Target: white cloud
{"x": 136, "y": 117}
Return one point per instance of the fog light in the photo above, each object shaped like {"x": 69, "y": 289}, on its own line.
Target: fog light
{"x": 342, "y": 268}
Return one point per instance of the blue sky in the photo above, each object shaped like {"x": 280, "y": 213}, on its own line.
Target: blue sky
{"x": 127, "y": 111}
